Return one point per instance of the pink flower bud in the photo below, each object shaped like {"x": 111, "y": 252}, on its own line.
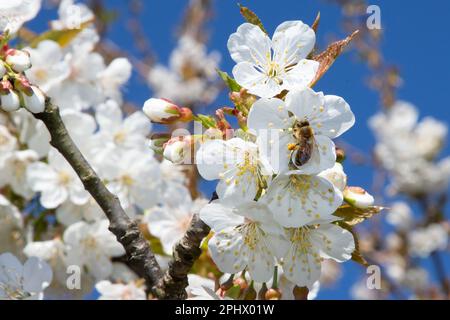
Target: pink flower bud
{"x": 358, "y": 197}
{"x": 163, "y": 111}
{"x": 10, "y": 101}
{"x": 35, "y": 102}
{"x": 18, "y": 60}
{"x": 179, "y": 150}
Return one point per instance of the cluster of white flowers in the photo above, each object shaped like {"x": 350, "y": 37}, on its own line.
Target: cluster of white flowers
{"x": 37, "y": 177}
{"x": 408, "y": 150}
{"x": 279, "y": 183}
{"x": 14, "y": 13}
{"x": 191, "y": 76}
{"x": 426, "y": 240}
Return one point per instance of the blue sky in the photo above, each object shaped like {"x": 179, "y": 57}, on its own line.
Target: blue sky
{"x": 416, "y": 39}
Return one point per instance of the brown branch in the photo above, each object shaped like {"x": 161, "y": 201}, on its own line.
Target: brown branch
{"x": 186, "y": 251}
{"x": 139, "y": 254}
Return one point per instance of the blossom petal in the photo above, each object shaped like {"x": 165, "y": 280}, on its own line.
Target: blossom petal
{"x": 137, "y": 123}
{"x": 305, "y": 103}
{"x": 37, "y": 275}
{"x": 292, "y": 41}
{"x": 52, "y": 198}
{"x": 249, "y": 43}
{"x": 78, "y": 195}
{"x": 219, "y": 217}
{"x": 228, "y": 250}
{"x": 255, "y": 81}
{"x": 301, "y": 268}
{"x": 109, "y": 116}
{"x": 211, "y": 159}
{"x": 301, "y": 75}
{"x": 236, "y": 188}
{"x": 13, "y": 268}
{"x": 334, "y": 119}
{"x": 334, "y": 242}
{"x": 40, "y": 176}
{"x": 300, "y": 200}
{"x": 261, "y": 262}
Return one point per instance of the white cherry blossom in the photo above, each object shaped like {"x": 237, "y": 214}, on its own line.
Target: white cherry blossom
{"x": 308, "y": 247}
{"x": 134, "y": 177}
{"x": 54, "y": 253}
{"x": 73, "y": 15}
{"x": 56, "y": 181}
{"x": 13, "y": 14}
{"x": 400, "y": 215}
{"x": 274, "y": 121}
{"x": 170, "y": 221}
{"x": 117, "y": 131}
{"x": 69, "y": 213}
{"x": 13, "y": 172}
{"x": 298, "y": 200}
{"x": 237, "y": 164}
{"x": 245, "y": 236}
{"x": 92, "y": 246}
{"x": 81, "y": 127}
{"x": 422, "y": 242}
{"x": 268, "y": 66}
{"x": 190, "y": 78}
{"x": 48, "y": 67}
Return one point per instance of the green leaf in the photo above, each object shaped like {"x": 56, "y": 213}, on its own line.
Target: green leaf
{"x": 251, "y": 17}
{"x": 206, "y": 121}
{"x": 352, "y": 215}
{"x": 229, "y": 81}
{"x": 62, "y": 37}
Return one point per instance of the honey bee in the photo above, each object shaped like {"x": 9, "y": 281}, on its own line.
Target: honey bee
{"x": 302, "y": 149}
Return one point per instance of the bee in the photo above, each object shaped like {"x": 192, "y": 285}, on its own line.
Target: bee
{"x": 303, "y": 148}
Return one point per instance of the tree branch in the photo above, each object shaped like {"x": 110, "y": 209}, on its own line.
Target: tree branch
{"x": 138, "y": 251}
{"x": 185, "y": 252}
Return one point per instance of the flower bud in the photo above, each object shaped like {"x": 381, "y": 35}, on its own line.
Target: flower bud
{"x": 157, "y": 142}
{"x": 336, "y": 176}
{"x": 358, "y": 197}
{"x": 178, "y": 149}
{"x": 35, "y": 102}
{"x": 241, "y": 282}
{"x": 2, "y": 69}
{"x": 300, "y": 293}
{"x": 250, "y": 293}
{"x": 163, "y": 111}
{"x": 10, "y": 101}
{"x": 19, "y": 60}
{"x": 243, "y": 100}
{"x": 273, "y": 294}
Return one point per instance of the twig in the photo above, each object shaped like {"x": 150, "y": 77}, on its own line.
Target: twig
{"x": 139, "y": 253}
{"x": 186, "y": 251}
